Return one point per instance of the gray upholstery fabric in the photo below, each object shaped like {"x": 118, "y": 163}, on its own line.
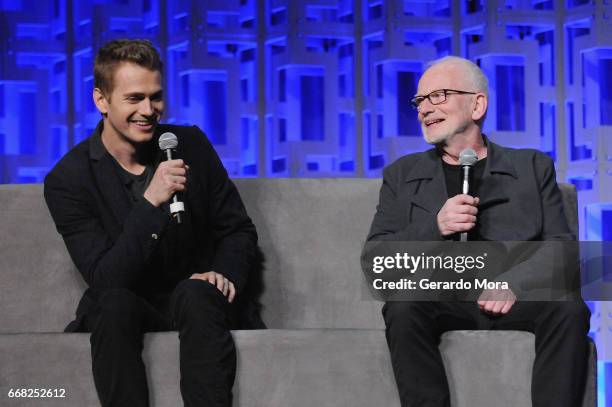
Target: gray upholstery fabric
{"x": 278, "y": 368}
{"x": 328, "y": 348}
{"x": 39, "y": 285}
{"x": 311, "y": 233}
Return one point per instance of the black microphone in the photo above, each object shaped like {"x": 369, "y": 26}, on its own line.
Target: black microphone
{"x": 467, "y": 159}
{"x": 167, "y": 143}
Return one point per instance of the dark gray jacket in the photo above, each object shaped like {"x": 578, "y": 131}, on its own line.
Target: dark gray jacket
{"x": 519, "y": 201}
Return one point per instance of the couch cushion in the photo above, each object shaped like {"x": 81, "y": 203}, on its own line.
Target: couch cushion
{"x": 310, "y": 231}
{"x": 278, "y": 368}
{"x": 39, "y": 285}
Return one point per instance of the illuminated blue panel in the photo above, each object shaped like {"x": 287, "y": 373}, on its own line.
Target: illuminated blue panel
{"x": 279, "y": 165}
{"x": 377, "y": 161}
{"x": 547, "y": 55}
{"x": 379, "y": 81}
{"x": 346, "y": 142}
{"x": 473, "y": 6}
{"x": 407, "y": 122}
{"x": 435, "y": 8}
{"x": 375, "y": 10}
{"x": 606, "y": 224}
{"x": 282, "y": 130}
{"x": 544, "y": 35}
{"x": 510, "y": 81}
{"x": 27, "y": 122}
{"x": 215, "y": 114}
{"x": 312, "y": 107}
{"x": 576, "y": 3}
{"x": 58, "y": 145}
{"x": 598, "y": 222}
{"x": 249, "y": 140}
{"x": 443, "y": 46}
{"x": 278, "y": 16}
{"x": 548, "y": 129}
{"x": 607, "y": 382}
{"x": 576, "y": 152}
{"x": 282, "y": 89}
{"x": 11, "y": 5}
{"x": 471, "y": 37}
{"x": 185, "y": 90}
{"x": 573, "y": 31}
{"x": 582, "y": 183}
{"x": 346, "y": 77}
{"x": 440, "y": 39}
{"x": 605, "y": 89}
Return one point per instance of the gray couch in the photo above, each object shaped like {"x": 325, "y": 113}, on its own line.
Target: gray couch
{"x": 326, "y": 345}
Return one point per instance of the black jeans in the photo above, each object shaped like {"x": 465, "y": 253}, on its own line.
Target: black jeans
{"x": 413, "y": 331}
{"x": 199, "y": 312}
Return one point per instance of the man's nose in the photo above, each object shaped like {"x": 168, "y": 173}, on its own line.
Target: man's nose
{"x": 146, "y": 107}
{"x": 425, "y": 108}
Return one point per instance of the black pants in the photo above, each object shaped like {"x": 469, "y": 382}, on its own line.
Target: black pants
{"x": 198, "y": 310}
{"x": 413, "y": 332}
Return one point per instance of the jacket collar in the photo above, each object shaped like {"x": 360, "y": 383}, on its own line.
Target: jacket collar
{"x": 107, "y": 178}
{"x": 431, "y": 195}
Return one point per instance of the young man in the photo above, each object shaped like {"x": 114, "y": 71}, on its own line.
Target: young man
{"x": 109, "y": 198}
{"x": 516, "y": 198}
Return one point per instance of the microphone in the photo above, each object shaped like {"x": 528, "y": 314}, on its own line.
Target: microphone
{"x": 467, "y": 159}
{"x": 167, "y": 143}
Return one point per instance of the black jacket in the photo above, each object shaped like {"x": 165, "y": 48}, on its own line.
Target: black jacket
{"x": 115, "y": 243}
{"x": 519, "y": 201}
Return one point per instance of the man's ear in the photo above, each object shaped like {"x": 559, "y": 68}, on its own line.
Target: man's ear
{"x": 480, "y": 107}
{"x": 101, "y": 101}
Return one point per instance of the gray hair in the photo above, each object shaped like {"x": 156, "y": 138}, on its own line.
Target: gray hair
{"x": 476, "y": 76}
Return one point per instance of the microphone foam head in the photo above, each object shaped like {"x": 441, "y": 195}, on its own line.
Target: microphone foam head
{"x": 168, "y": 141}
{"x": 468, "y": 157}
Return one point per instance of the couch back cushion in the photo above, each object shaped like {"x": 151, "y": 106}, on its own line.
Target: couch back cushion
{"x": 310, "y": 232}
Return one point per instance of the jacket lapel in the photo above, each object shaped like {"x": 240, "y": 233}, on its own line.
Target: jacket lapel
{"x": 107, "y": 179}
{"x": 494, "y": 183}
{"x": 430, "y": 193}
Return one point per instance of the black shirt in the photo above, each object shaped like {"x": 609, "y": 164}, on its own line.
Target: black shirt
{"x": 135, "y": 184}
{"x": 454, "y": 178}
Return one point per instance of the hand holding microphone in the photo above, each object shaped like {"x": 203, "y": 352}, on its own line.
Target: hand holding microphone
{"x": 459, "y": 212}
{"x": 170, "y": 178}
{"x": 458, "y": 215}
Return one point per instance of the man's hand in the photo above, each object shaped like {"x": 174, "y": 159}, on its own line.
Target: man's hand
{"x": 458, "y": 214}
{"x": 496, "y": 302}
{"x": 219, "y": 281}
{"x": 169, "y": 178}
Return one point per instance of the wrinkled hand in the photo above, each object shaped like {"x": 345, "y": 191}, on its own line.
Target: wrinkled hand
{"x": 458, "y": 214}
{"x": 219, "y": 281}
{"x": 169, "y": 178}
{"x": 496, "y": 302}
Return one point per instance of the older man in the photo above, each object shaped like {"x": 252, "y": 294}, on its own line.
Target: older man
{"x": 514, "y": 197}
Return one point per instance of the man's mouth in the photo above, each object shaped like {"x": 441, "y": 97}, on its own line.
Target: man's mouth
{"x": 143, "y": 124}
{"x": 432, "y": 122}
